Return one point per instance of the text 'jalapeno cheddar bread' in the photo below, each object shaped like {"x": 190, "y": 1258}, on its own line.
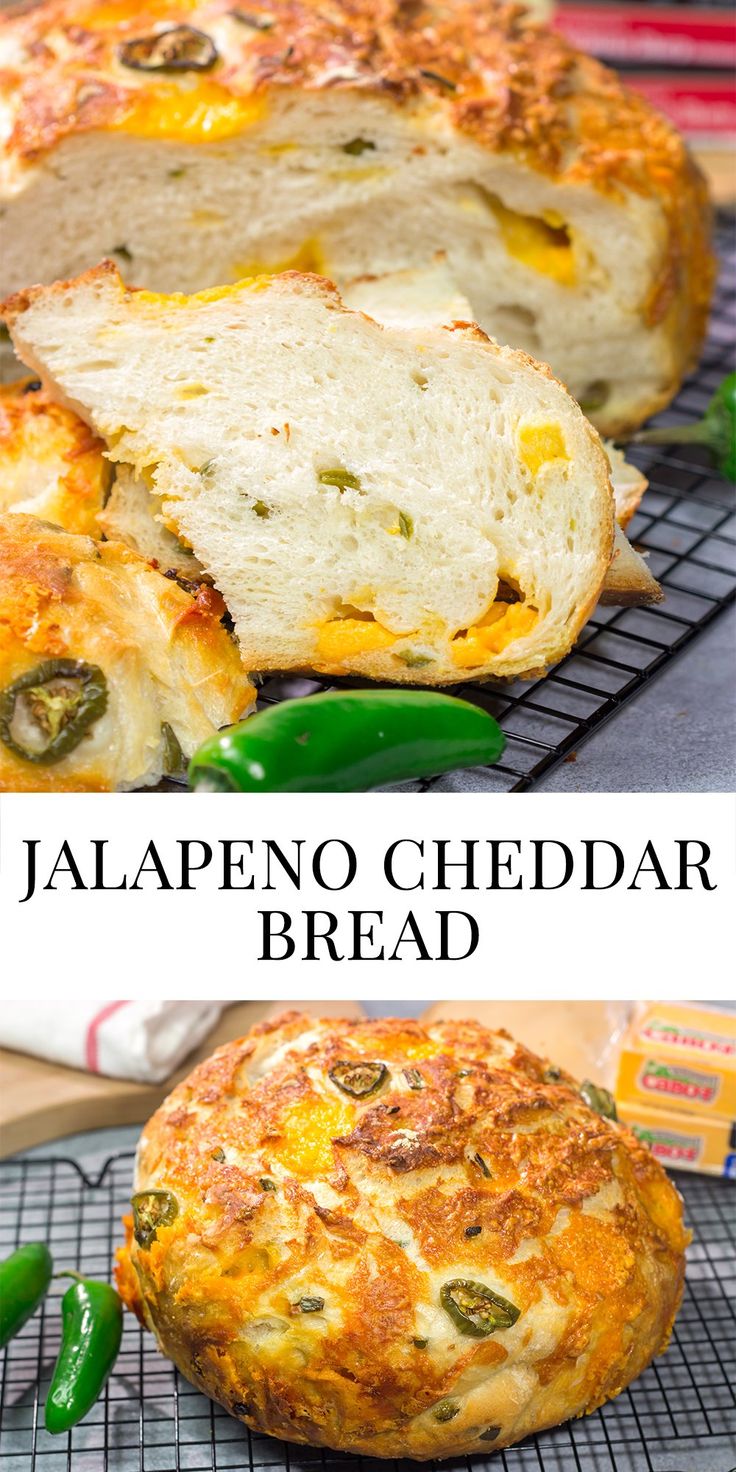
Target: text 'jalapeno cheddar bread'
{"x": 415, "y": 506}
{"x": 397, "y": 1240}
{"x": 199, "y": 143}
{"x": 110, "y": 673}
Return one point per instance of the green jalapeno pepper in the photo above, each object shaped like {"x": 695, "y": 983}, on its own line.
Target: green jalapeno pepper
{"x": 24, "y": 1280}
{"x": 151, "y": 1210}
{"x": 599, "y": 1100}
{"x": 91, "y": 1331}
{"x": 476, "y": 1309}
{"x": 716, "y": 430}
{"x": 358, "y": 1077}
{"x": 346, "y": 741}
{"x": 179, "y": 49}
{"x": 446, "y": 1410}
{"x": 46, "y": 712}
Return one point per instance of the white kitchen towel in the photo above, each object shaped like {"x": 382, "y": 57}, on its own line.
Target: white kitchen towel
{"x": 143, "y": 1041}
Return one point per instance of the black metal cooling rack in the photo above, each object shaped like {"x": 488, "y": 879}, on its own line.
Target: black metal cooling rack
{"x": 680, "y": 1416}
{"x": 687, "y": 525}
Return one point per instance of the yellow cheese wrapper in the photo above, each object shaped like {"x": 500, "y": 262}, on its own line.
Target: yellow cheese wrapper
{"x": 683, "y": 1141}
{"x": 675, "y": 1056}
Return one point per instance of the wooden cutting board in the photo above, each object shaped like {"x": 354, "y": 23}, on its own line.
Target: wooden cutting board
{"x": 41, "y": 1101}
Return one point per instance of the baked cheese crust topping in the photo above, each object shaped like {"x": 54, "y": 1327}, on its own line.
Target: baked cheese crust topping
{"x": 398, "y": 1241}
{"x": 74, "y": 611}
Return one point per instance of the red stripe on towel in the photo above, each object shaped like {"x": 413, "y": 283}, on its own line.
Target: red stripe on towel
{"x": 91, "y": 1051}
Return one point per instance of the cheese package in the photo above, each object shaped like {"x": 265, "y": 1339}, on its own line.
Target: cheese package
{"x": 680, "y": 1057}
{"x": 683, "y": 1141}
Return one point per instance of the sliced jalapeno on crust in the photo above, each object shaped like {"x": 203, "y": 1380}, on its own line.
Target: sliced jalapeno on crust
{"x": 476, "y": 1309}
{"x": 45, "y": 713}
{"x": 446, "y": 1410}
{"x": 180, "y": 49}
{"x": 358, "y": 1077}
{"x": 414, "y": 1078}
{"x": 599, "y": 1100}
{"x": 151, "y": 1210}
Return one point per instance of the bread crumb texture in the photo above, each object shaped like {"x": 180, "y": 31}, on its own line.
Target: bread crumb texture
{"x": 400, "y": 1241}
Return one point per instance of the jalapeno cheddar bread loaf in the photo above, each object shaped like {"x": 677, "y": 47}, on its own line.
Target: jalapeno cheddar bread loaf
{"x": 110, "y": 673}
{"x": 198, "y": 143}
{"x": 419, "y": 506}
{"x": 399, "y": 1241}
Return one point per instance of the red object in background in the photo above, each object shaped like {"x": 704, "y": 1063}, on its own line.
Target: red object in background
{"x": 701, "y": 107}
{"x": 661, "y": 35}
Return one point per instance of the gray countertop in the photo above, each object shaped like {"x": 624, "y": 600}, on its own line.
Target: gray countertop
{"x": 677, "y": 735}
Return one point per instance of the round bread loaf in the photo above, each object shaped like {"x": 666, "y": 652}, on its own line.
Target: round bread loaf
{"x": 397, "y": 1240}
{"x": 197, "y": 142}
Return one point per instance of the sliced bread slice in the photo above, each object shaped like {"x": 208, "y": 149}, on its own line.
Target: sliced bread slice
{"x": 409, "y": 504}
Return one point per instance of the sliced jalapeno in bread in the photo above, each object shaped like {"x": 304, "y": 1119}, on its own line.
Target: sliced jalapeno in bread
{"x": 476, "y": 1309}
{"x": 358, "y": 1077}
{"x": 151, "y": 1210}
{"x": 599, "y": 1100}
{"x": 180, "y": 49}
{"x": 46, "y": 712}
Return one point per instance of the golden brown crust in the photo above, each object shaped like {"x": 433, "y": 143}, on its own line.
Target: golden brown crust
{"x": 51, "y": 463}
{"x": 489, "y": 70}
{"x": 64, "y": 596}
{"x": 471, "y": 1160}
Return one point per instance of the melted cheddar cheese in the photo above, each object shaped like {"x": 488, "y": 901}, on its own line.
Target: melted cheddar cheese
{"x": 305, "y": 1148}
{"x": 309, "y": 256}
{"x": 345, "y": 637}
{"x": 503, "y": 623}
{"x": 538, "y": 444}
{"x": 542, "y": 244}
{"x": 204, "y": 113}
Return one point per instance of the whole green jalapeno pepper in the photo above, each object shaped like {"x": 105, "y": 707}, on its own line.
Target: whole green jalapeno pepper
{"x": 24, "y": 1280}
{"x": 45, "y": 713}
{"x": 92, "y": 1328}
{"x": 716, "y": 430}
{"x": 347, "y": 741}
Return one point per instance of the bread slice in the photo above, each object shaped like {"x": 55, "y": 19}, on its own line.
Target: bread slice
{"x": 133, "y": 514}
{"x": 629, "y": 582}
{"x": 361, "y": 136}
{"x": 431, "y": 296}
{"x": 416, "y": 506}
{"x": 53, "y": 467}
{"x": 172, "y": 673}
{"x": 628, "y": 482}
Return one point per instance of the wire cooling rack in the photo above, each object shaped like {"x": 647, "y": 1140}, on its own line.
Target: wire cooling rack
{"x": 687, "y": 525}
{"x": 680, "y": 1416}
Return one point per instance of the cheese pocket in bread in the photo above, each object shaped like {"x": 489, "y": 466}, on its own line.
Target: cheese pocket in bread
{"x": 110, "y": 674}
{"x": 417, "y": 505}
{"x": 200, "y": 143}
